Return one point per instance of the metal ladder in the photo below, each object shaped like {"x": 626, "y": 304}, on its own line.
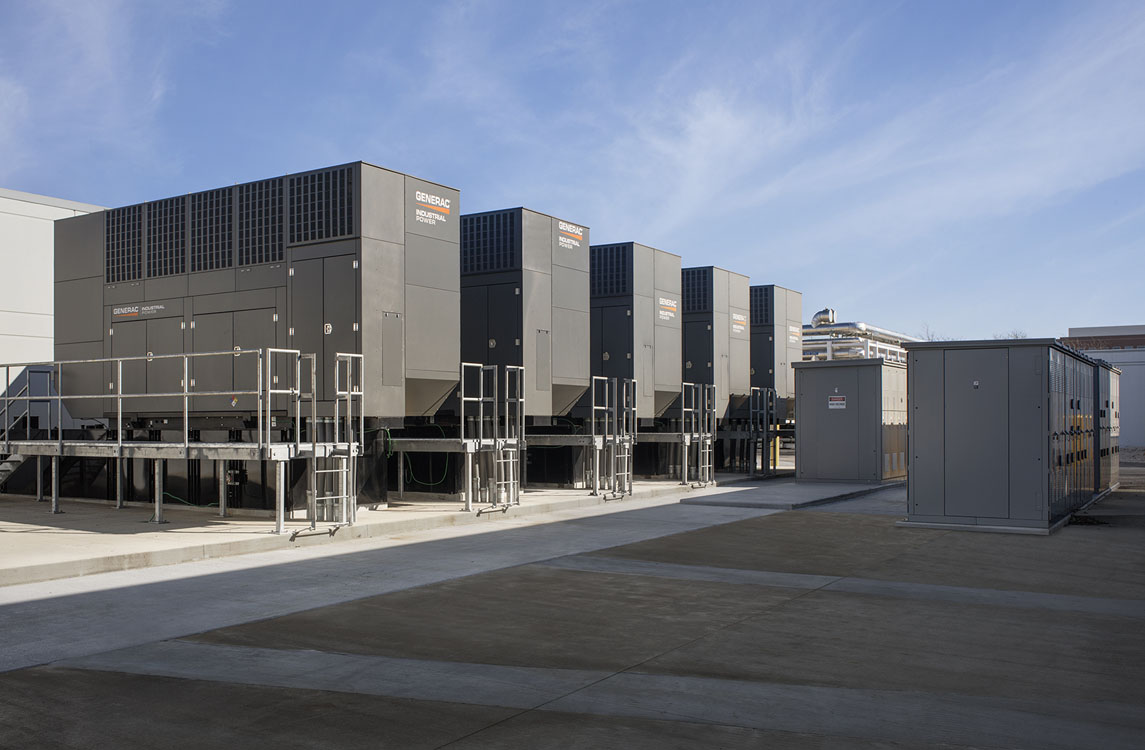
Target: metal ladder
{"x": 764, "y": 432}
{"x": 512, "y": 428}
{"x": 624, "y": 438}
{"x": 705, "y": 453}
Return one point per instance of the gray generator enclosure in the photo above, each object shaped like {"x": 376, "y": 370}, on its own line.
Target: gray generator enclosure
{"x": 525, "y": 302}
{"x": 635, "y": 298}
{"x": 717, "y": 343}
{"x": 852, "y": 420}
{"x": 1001, "y": 433}
{"x": 352, "y": 259}
{"x": 776, "y": 338}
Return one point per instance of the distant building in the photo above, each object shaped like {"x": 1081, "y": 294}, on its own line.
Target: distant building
{"x": 27, "y": 239}
{"x": 1124, "y": 348}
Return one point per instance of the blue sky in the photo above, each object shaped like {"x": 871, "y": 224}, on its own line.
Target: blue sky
{"x": 969, "y": 167}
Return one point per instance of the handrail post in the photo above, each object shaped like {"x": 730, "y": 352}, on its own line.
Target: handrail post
{"x": 59, "y": 408}
{"x": 119, "y": 408}
{"x": 259, "y": 389}
{"x": 186, "y": 399}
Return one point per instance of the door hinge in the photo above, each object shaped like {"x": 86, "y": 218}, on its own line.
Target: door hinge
{"x": 290, "y": 272}
{"x": 355, "y": 264}
{"x": 290, "y": 332}
{"x": 355, "y": 326}
{"x": 182, "y": 325}
{"x": 276, "y": 317}
{"x": 192, "y": 325}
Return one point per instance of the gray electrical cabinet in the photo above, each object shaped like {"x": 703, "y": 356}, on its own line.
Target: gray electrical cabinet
{"x": 525, "y": 301}
{"x": 717, "y": 342}
{"x": 353, "y": 258}
{"x": 636, "y": 324}
{"x": 1108, "y": 432}
{"x": 776, "y": 338}
{"x": 1002, "y": 433}
{"x": 852, "y": 423}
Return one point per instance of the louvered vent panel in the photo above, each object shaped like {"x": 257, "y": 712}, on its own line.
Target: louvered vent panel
{"x": 123, "y": 244}
{"x": 260, "y": 222}
{"x": 166, "y": 237}
{"x": 211, "y": 226}
{"x": 761, "y": 306}
{"x": 610, "y": 270}
{"x": 322, "y": 205}
{"x": 488, "y": 242}
{"x": 697, "y": 289}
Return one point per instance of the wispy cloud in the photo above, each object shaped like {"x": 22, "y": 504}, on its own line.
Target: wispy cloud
{"x": 88, "y": 81}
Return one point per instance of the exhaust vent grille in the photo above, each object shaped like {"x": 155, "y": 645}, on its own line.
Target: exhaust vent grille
{"x": 123, "y": 244}
{"x": 322, "y": 205}
{"x": 610, "y": 270}
{"x": 260, "y": 222}
{"x": 212, "y": 228}
{"x": 489, "y": 242}
{"x": 761, "y": 306}
{"x": 166, "y": 237}
{"x": 696, "y": 289}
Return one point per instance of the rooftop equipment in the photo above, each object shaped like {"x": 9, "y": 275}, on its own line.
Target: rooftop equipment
{"x": 525, "y": 302}
{"x": 852, "y": 420}
{"x": 986, "y": 452}
{"x": 826, "y": 339}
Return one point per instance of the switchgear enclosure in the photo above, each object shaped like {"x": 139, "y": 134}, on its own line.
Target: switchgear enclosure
{"x": 636, "y": 323}
{"x": 1002, "y": 433}
{"x": 851, "y": 423}
{"x": 525, "y": 301}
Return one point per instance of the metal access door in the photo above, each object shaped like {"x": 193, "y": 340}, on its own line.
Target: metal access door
{"x": 253, "y": 329}
{"x": 165, "y": 336}
{"x": 698, "y": 352}
{"x": 213, "y": 332}
{"x": 323, "y": 312}
{"x": 129, "y": 339}
{"x": 614, "y": 326}
{"x": 834, "y": 411}
{"x": 977, "y": 433}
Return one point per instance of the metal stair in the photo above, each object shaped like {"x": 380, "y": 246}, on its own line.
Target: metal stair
{"x": 8, "y": 466}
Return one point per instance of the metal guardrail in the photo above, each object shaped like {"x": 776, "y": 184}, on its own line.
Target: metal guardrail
{"x": 263, "y": 390}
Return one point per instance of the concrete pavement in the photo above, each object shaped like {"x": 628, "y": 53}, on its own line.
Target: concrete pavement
{"x": 665, "y": 625}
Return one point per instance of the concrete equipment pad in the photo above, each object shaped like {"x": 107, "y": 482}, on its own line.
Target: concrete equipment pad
{"x": 667, "y": 625}
{"x": 832, "y": 544}
{"x": 92, "y": 537}
{"x": 788, "y": 494}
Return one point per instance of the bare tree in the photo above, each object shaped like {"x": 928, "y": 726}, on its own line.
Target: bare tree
{"x": 929, "y": 334}
{"x": 1013, "y": 333}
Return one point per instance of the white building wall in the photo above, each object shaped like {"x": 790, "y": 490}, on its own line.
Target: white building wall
{"x": 26, "y": 252}
{"x": 1131, "y": 362}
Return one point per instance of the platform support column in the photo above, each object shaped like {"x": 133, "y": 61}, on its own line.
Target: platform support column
{"x": 401, "y": 476}
{"x": 158, "y": 491}
{"x": 221, "y": 478}
{"x": 595, "y": 469}
{"x": 683, "y": 462}
{"x": 279, "y": 497}
{"x": 39, "y": 479}
{"x": 56, "y": 484}
{"x": 468, "y": 481}
{"x": 118, "y": 483}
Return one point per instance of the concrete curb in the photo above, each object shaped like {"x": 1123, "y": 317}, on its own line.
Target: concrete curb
{"x": 782, "y": 505}
{"x": 386, "y": 526}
